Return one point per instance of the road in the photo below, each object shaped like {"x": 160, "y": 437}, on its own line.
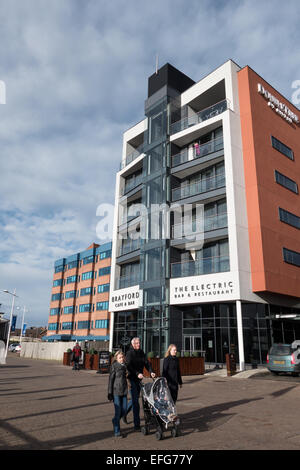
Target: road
{"x": 47, "y": 406}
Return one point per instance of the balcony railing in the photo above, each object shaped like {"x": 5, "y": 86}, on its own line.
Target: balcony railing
{"x": 133, "y": 183}
{"x": 212, "y": 222}
{"x": 199, "y": 187}
{"x": 129, "y": 245}
{"x": 215, "y": 264}
{"x": 132, "y": 156}
{"x": 127, "y": 281}
{"x": 201, "y": 116}
{"x": 198, "y": 151}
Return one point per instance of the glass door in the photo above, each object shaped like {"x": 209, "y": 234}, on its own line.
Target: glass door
{"x": 193, "y": 343}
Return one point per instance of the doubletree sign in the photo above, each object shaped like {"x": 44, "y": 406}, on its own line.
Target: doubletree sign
{"x": 278, "y": 106}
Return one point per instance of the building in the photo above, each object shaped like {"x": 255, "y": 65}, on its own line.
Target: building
{"x": 228, "y": 148}
{"x": 80, "y": 295}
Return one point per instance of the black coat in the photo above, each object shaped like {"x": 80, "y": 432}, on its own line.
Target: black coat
{"x": 117, "y": 383}
{"x": 136, "y": 361}
{"x": 171, "y": 371}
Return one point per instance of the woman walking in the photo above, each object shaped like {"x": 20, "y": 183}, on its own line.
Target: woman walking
{"x": 171, "y": 371}
{"x": 117, "y": 390}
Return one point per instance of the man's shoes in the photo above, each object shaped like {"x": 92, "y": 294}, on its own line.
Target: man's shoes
{"x": 137, "y": 428}
{"x": 119, "y": 435}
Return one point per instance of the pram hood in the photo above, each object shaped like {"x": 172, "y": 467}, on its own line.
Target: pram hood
{"x": 158, "y": 395}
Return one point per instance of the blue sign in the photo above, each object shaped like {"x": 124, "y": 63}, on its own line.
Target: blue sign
{"x": 13, "y": 323}
{"x": 24, "y": 329}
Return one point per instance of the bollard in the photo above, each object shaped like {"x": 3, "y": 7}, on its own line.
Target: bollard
{"x": 230, "y": 364}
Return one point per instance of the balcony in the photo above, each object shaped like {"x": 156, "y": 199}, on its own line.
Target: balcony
{"x": 197, "y": 152}
{"x": 129, "y": 245}
{"x": 212, "y": 222}
{"x": 199, "y": 187}
{"x": 131, "y": 184}
{"x": 127, "y": 281}
{"x": 200, "y": 116}
{"x": 132, "y": 156}
{"x": 215, "y": 264}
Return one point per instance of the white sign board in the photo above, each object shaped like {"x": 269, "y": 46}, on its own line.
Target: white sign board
{"x": 201, "y": 289}
{"x": 125, "y": 299}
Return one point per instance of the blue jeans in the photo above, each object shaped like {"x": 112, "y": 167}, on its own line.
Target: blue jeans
{"x": 120, "y": 402}
{"x": 134, "y": 402}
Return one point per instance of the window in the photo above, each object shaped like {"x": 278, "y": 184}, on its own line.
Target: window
{"x": 59, "y": 269}
{"x": 101, "y": 324}
{"x": 289, "y": 218}
{"x": 56, "y": 297}
{"x": 83, "y": 325}
{"x": 69, "y": 309}
{"x": 57, "y": 282}
{"x": 103, "y": 288}
{"x": 286, "y": 182}
{"x": 282, "y": 148}
{"x": 88, "y": 275}
{"x": 102, "y": 306}
{"x": 291, "y": 257}
{"x": 72, "y": 265}
{"x": 70, "y": 294}
{"x": 71, "y": 279}
{"x": 88, "y": 260}
{"x": 105, "y": 254}
{"x": 104, "y": 271}
{"x": 86, "y": 291}
{"x": 54, "y": 311}
{"x": 67, "y": 325}
{"x": 52, "y": 326}
{"x": 85, "y": 307}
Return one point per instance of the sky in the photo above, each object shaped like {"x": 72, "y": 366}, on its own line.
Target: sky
{"x": 75, "y": 75}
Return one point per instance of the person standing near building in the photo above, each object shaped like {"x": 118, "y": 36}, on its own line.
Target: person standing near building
{"x": 76, "y": 356}
{"x": 117, "y": 389}
{"x": 171, "y": 371}
{"x": 136, "y": 361}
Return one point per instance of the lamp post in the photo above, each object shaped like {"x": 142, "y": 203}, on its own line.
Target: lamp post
{"x": 10, "y": 319}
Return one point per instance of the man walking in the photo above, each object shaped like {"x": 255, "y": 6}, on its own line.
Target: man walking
{"x": 76, "y": 356}
{"x": 136, "y": 361}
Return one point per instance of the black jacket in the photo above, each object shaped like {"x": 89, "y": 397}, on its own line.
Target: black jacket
{"x": 117, "y": 384}
{"x": 136, "y": 361}
{"x": 171, "y": 371}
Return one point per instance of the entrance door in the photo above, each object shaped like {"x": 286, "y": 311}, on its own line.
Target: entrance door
{"x": 193, "y": 343}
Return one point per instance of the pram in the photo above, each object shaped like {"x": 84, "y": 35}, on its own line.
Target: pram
{"x": 159, "y": 408}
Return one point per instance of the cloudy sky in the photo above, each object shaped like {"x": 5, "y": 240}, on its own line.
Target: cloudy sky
{"x": 76, "y": 77}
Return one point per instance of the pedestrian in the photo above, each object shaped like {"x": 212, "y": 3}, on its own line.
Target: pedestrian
{"x": 171, "y": 371}
{"x": 136, "y": 361}
{"x": 117, "y": 389}
{"x": 76, "y": 356}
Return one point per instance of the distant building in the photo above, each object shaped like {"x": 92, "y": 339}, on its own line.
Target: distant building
{"x": 80, "y": 296}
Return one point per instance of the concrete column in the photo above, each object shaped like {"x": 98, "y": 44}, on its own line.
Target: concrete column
{"x": 240, "y": 334}
{"x": 111, "y": 330}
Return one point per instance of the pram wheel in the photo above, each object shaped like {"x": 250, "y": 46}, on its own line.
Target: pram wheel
{"x": 145, "y": 430}
{"x": 159, "y": 435}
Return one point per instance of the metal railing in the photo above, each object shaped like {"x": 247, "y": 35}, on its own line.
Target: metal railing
{"x": 133, "y": 183}
{"x": 198, "y": 151}
{"x": 214, "y": 264}
{"x": 132, "y": 156}
{"x": 127, "y": 281}
{"x": 203, "y": 115}
{"x": 212, "y": 222}
{"x": 129, "y": 245}
{"x": 199, "y": 187}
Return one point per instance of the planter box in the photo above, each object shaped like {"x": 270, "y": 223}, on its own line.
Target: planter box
{"x": 192, "y": 365}
{"x": 155, "y": 364}
{"x": 91, "y": 361}
{"x": 67, "y": 359}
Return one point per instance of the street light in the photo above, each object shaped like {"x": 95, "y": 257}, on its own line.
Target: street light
{"x": 10, "y": 319}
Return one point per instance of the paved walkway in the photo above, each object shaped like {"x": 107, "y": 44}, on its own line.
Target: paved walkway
{"x": 45, "y": 405}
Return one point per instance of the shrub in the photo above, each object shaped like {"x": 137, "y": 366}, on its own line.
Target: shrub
{"x": 150, "y": 355}
{"x": 186, "y": 354}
